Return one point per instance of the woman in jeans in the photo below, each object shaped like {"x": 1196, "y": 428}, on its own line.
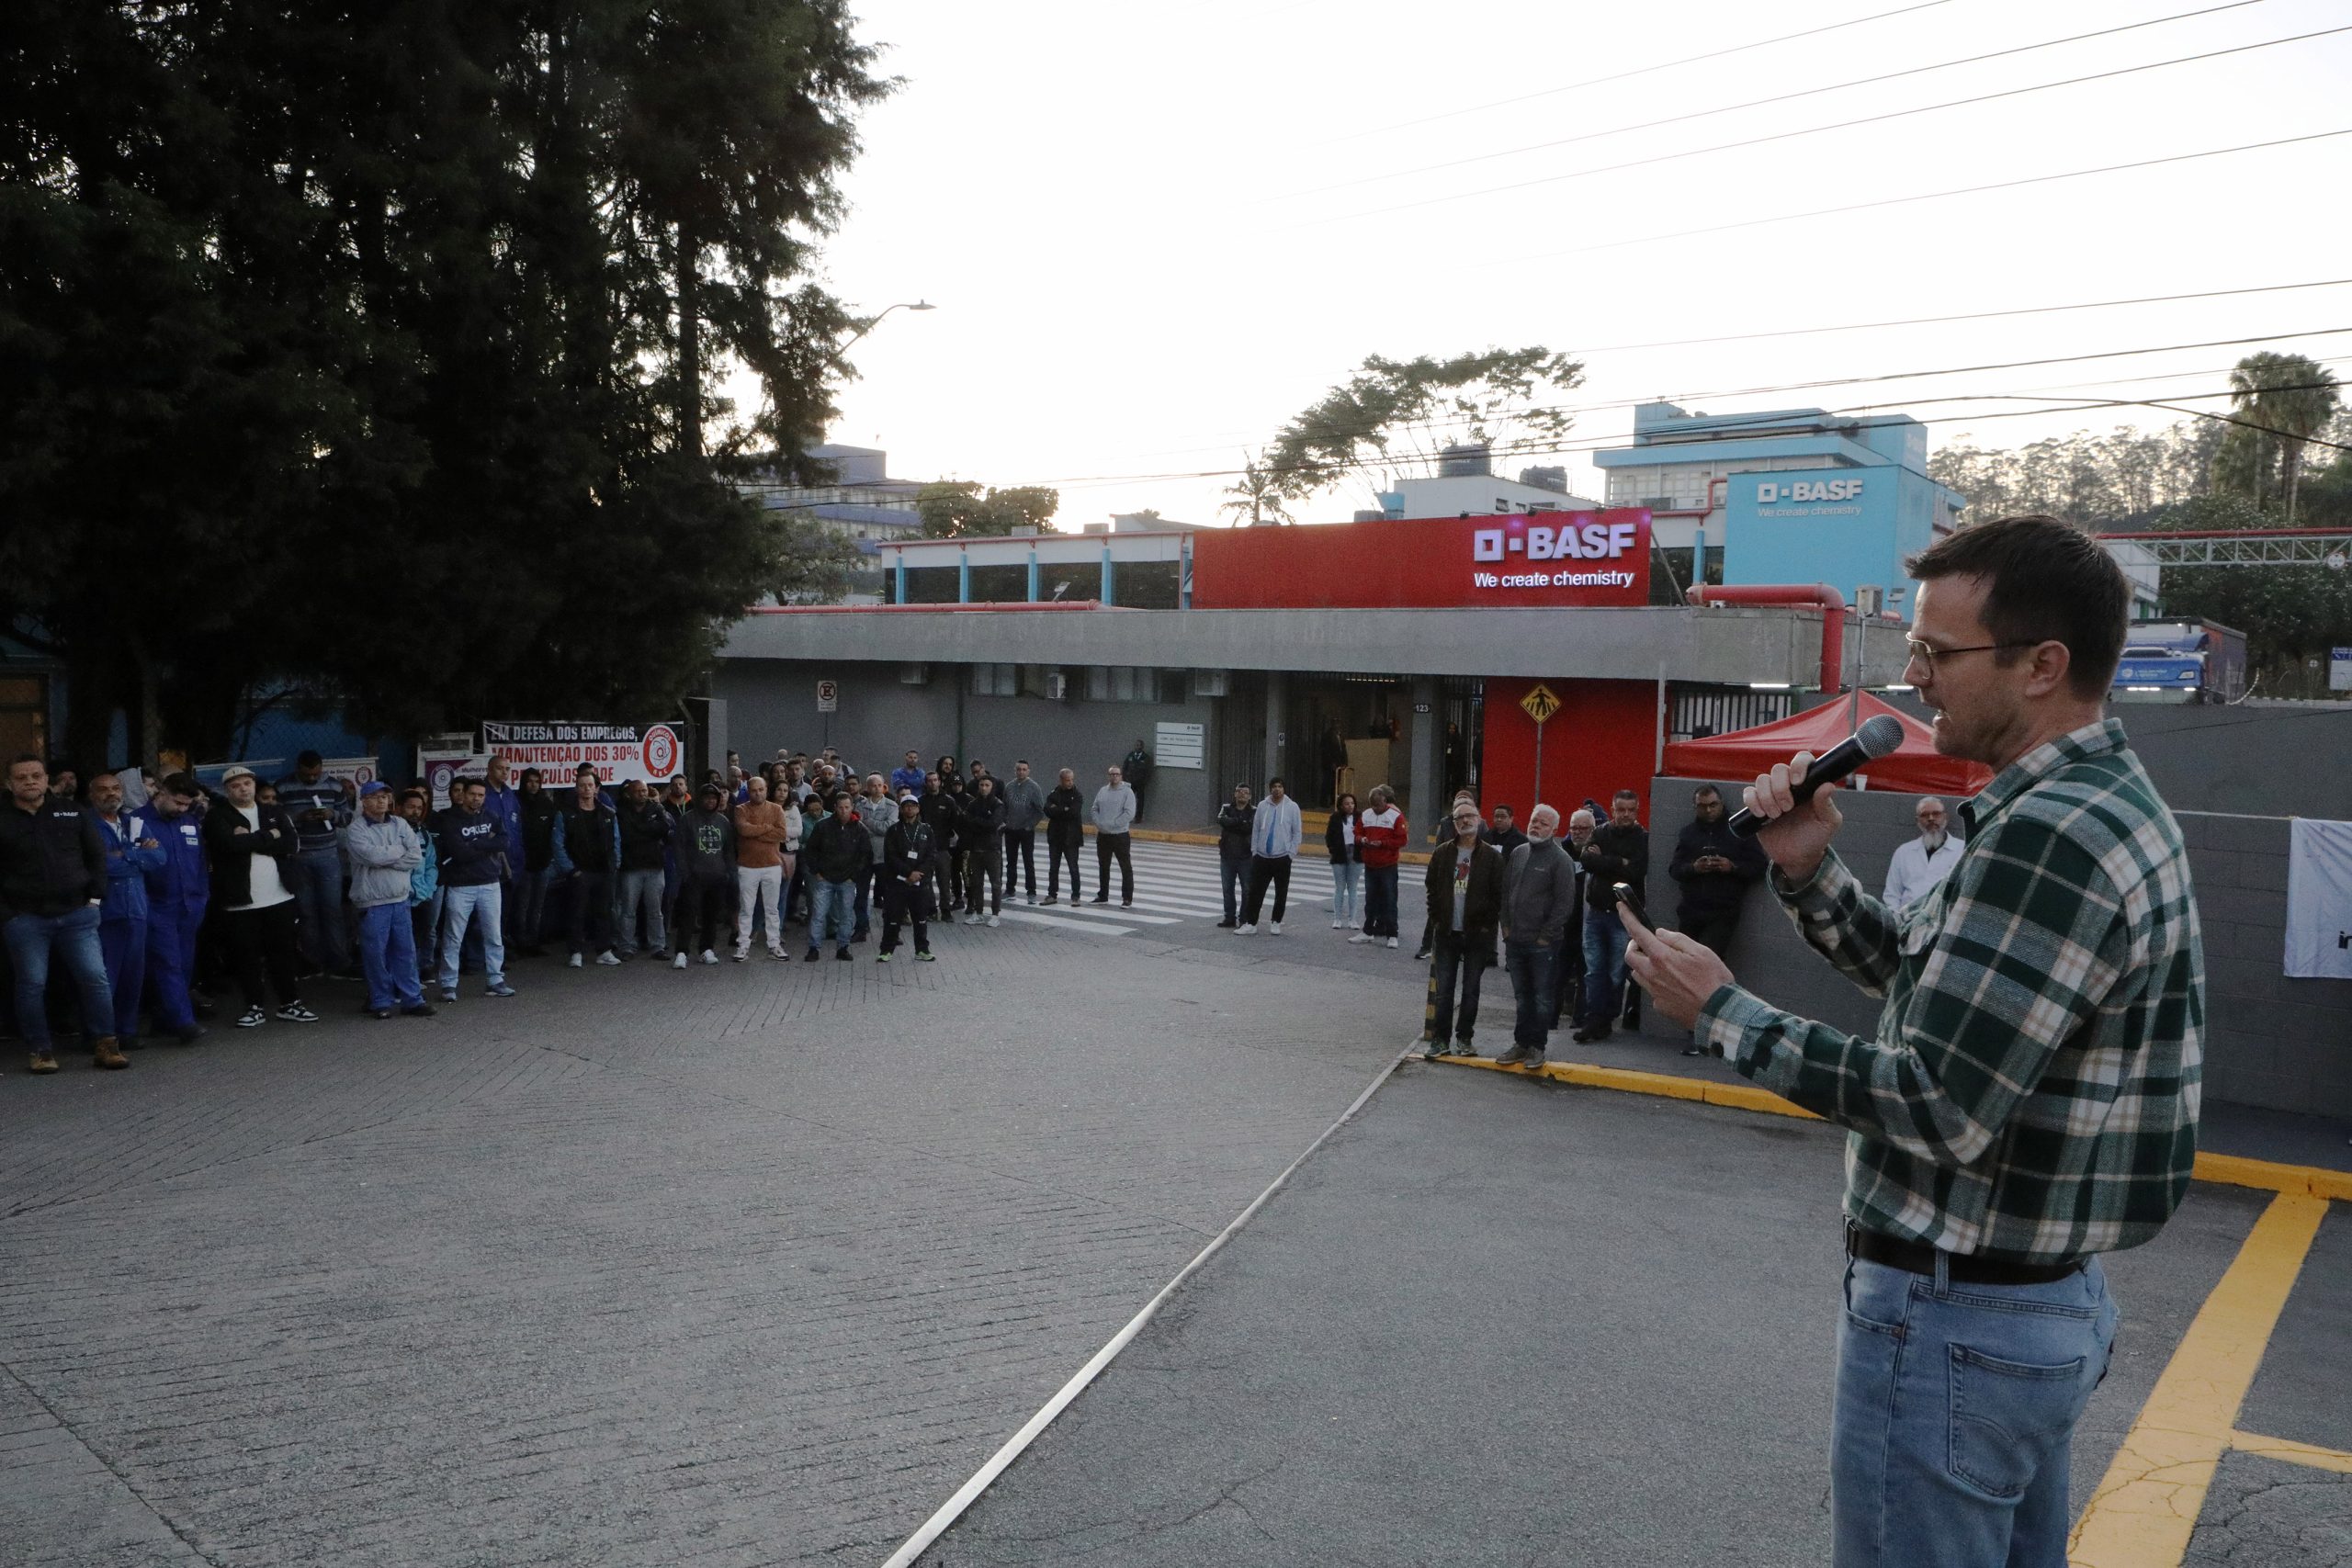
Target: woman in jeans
{"x": 1347, "y": 865}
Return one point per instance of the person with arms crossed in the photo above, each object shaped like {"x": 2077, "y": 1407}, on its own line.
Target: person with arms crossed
{"x": 385, "y": 853}
{"x": 1233, "y": 820}
{"x": 837, "y": 850}
{"x": 1276, "y": 830}
{"x": 249, "y": 840}
{"x": 1065, "y": 835}
{"x": 2028, "y": 1098}
{"x": 471, "y": 846}
{"x": 134, "y": 851}
{"x": 177, "y": 892}
{"x": 1920, "y": 864}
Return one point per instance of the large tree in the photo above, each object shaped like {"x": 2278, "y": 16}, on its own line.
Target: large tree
{"x": 2280, "y": 400}
{"x": 1394, "y": 414}
{"x": 958, "y": 509}
{"x": 368, "y": 345}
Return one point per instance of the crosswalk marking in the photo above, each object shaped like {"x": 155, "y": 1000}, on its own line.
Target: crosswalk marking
{"x": 1175, "y": 884}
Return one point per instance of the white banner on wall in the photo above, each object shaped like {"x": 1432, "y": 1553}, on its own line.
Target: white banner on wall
{"x": 2319, "y": 900}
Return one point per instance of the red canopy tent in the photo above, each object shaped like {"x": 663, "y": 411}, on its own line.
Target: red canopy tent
{"x": 1915, "y": 766}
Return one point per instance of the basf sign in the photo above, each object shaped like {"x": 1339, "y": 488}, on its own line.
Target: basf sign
{"x": 1558, "y": 559}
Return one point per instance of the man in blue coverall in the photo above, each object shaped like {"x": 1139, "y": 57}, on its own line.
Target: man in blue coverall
{"x": 178, "y": 891}
{"x": 133, "y": 850}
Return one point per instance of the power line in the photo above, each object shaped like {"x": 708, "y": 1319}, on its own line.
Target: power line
{"x": 1968, "y": 316}
{"x": 1638, "y": 70}
{"x": 1547, "y": 447}
{"x": 1776, "y": 99}
{"x": 1923, "y": 195}
{"x": 1851, "y": 327}
{"x": 1818, "y": 130}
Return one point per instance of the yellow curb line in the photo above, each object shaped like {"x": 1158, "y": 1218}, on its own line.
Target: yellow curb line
{"x": 2228, "y": 1170}
{"x": 2292, "y": 1452}
{"x": 2146, "y": 1507}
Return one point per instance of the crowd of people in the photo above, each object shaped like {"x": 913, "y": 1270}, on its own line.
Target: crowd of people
{"x": 147, "y": 904}
{"x": 144, "y": 914}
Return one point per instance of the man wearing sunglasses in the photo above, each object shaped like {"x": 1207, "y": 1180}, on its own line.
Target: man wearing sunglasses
{"x": 2028, "y": 1100}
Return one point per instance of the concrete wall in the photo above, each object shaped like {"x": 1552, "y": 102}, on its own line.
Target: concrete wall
{"x": 772, "y": 702}
{"x": 2270, "y": 1040}
{"x": 1732, "y": 645}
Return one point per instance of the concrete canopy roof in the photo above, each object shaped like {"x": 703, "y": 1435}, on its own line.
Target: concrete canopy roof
{"x": 1725, "y": 646}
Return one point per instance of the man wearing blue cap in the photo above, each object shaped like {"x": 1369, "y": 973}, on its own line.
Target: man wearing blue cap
{"x": 383, "y": 850}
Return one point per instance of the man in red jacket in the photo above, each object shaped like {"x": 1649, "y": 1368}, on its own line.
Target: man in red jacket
{"x": 1381, "y": 832}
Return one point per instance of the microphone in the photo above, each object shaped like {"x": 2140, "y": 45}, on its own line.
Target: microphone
{"x": 1879, "y": 735}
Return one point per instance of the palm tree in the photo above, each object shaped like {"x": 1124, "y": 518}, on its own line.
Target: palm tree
{"x": 2291, "y": 399}
{"x": 1256, "y": 493}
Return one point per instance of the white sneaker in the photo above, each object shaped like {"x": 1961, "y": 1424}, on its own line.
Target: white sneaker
{"x": 742, "y": 953}
{"x": 1338, "y": 925}
{"x": 572, "y": 962}
{"x": 710, "y": 957}
{"x": 1032, "y": 897}
{"x": 778, "y": 952}
{"x": 1276, "y": 927}
{"x": 1360, "y": 939}
{"x": 996, "y": 920}
{"x": 609, "y": 959}
{"x": 1392, "y": 942}
{"x": 679, "y": 961}
{"x": 1245, "y": 930}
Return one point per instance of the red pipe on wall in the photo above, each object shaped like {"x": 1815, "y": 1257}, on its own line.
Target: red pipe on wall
{"x": 1798, "y": 596}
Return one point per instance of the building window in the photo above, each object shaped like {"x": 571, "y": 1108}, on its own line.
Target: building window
{"x": 1121, "y": 683}
{"x": 996, "y": 680}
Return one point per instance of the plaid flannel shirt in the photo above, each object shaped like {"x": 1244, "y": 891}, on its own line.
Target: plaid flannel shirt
{"x": 2031, "y": 1091}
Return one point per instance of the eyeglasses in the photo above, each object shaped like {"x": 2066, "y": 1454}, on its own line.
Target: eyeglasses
{"x": 1926, "y": 654}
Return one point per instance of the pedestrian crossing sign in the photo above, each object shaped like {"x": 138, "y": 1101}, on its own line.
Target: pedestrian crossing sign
{"x": 1539, "y": 702}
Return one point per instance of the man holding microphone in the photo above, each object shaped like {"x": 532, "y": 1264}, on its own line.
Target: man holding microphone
{"x": 2028, "y": 1098}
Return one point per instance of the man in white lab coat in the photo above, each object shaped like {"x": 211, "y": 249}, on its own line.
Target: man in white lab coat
{"x": 1923, "y": 862}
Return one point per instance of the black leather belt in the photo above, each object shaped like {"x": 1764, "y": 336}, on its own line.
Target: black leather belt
{"x": 1918, "y": 1258}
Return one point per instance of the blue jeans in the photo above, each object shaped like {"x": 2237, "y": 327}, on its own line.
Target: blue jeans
{"x": 1604, "y": 967}
{"x": 74, "y": 937}
{"x": 1532, "y": 983}
{"x": 1451, "y": 962}
{"x": 320, "y": 899}
{"x": 388, "y": 956}
{"x": 460, "y": 907}
{"x": 832, "y": 908}
{"x": 1347, "y": 890}
{"x": 1232, "y": 872}
{"x": 530, "y": 906}
{"x": 1955, "y": 1403}
{"x": 424, "y": 926}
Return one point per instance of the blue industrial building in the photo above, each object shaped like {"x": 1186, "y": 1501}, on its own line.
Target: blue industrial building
{"x": 1786, "y": 495}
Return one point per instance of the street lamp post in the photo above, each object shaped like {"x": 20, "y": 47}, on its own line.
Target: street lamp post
{"x": 870, "y": 322}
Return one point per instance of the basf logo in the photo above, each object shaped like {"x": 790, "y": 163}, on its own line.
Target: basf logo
{"x": 1768, "y": 493}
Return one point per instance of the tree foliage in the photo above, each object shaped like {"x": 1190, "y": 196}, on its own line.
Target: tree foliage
{"x": 2101, "y": 481}
{"x": 958, "y": 509}
{"x": 365, "y": 346}
{"x": 2291, "y": 615}
{"x": 1402, "y": 412}
{"x": 2281, "y": 400}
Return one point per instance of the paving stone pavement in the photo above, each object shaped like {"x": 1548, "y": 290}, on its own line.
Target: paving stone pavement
{"x": 744, "y": 1265}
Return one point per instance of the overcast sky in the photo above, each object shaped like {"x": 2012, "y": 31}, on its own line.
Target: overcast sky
{"x": 1155, "y": 231}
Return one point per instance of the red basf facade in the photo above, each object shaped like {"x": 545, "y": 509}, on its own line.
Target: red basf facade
{"x": 1557, "y": 559}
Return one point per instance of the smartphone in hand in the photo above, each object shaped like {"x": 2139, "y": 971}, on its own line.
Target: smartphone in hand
{"x": 1626, "y": 895}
